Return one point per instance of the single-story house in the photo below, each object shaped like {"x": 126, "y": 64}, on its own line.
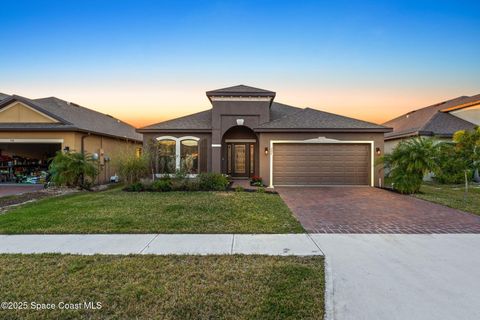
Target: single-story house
{"x": 33, "y": 130}
{"x": 246, "y": 133}
{"x": 440, "y": 120}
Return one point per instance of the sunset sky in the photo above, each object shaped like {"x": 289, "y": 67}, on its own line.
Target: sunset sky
{"x": 148, "y": 61}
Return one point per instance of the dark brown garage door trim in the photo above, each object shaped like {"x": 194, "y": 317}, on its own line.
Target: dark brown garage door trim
{"x": 323, "y": 140}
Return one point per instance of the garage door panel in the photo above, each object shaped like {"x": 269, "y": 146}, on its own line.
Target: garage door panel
{"x": 321, "y": 164}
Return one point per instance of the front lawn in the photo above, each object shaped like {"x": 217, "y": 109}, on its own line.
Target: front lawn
{"x": 452, "y": 196}
{"x": 116, "y": 211}
{"x": 163, "y": 287}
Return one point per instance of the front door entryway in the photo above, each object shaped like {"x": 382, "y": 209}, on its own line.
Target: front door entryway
{"x": 241, "y": 159}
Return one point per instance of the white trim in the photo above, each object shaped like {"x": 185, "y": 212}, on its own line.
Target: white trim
{"x": 172, "y": 175}
{"x": 324, "y": 140}
{"x": 14, "y": 103}
{"x": 224, "y": 98}
{"x": 178, "y": 142}
{"x": 241, "y": 140}
{"x": 216, "y": 145}
{"x": 13, "y": 140}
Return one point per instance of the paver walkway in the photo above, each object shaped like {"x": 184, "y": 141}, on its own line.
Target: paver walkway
{"x": 372, "y": 210}
{"x": 14, "y": 189}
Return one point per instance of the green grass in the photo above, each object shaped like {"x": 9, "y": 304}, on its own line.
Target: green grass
{"x": 452, "y": 196}
{"x": 116, "y": 211}
{"x": 165, "y": 287}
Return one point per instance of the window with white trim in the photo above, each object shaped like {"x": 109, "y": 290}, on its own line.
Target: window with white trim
{"x": 178, "y": 154}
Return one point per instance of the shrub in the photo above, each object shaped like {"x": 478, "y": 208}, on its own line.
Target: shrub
{"x": 135, "y": 187}
{"x": 212, "y": 182}
{"x": 261, "y": 190}
{"x": 450, "y": 167}
{"x": 131, "y": 167}
{"x": 163, "y": 185}
{"x": 239, "y": 189}
{"x": 73, "y": 169}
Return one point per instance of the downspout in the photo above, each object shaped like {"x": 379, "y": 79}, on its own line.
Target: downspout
{"x": 82, "y": 150}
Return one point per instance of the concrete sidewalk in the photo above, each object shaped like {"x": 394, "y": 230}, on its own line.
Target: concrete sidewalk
{"x": 202, "y": 244}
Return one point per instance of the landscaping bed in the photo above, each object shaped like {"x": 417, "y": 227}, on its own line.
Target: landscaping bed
{"x": 164, "y": 287}
{"x": 116, "y": 211}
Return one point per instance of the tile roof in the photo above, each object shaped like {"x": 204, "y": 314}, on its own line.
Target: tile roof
{"x": 430, "y": 120}
{"x": 72, "y": 117}
{"x": 241, "y": 90}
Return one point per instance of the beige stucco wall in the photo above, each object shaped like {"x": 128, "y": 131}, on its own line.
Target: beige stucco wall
{"x": 265, "y": 138}
{"x": 20, "y": 113}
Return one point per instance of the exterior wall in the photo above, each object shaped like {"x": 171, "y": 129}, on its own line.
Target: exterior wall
{"x": 470, "y": 114}
{"x": 105, "y": 147}
{"x": 67, "y": 137}
{"x": 225, "y": 115}
{"x": 20, "y": 113}
{"x": 265, "y": 138}
{"x": 205, "y": 146}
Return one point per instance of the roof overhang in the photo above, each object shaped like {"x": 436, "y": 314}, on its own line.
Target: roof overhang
{"x": 461, "y": 106}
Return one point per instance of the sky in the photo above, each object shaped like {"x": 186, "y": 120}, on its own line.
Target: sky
{"x": 149, "y": 61}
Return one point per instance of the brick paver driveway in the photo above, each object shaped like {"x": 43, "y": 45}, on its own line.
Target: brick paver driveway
{"x": 14, "y": 189}
{"x": 372, "y": 210}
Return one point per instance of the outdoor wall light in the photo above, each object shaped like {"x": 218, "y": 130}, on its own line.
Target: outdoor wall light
{"x": 266, "y": 151}
{"x": 378, "y": 150}
{"x": 66, "y": 149}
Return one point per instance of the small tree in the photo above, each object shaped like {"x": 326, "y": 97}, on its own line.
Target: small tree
{"x": 409, "y": 162}
{"x": 73, "y": 169}
{"x": 467, "y": 147}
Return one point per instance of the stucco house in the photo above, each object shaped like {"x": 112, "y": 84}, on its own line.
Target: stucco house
{"x": 440, "y": 120}
{"x": 33, "y": 130}
{"x": 246, "y": 133}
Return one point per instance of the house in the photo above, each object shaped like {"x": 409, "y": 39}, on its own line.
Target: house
{"x": 440, "y": 120}
{"x": 246, "y": 133}
{"x": 33, "y": 130}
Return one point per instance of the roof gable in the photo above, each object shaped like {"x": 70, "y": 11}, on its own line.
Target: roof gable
{"x": 18, "y": 112}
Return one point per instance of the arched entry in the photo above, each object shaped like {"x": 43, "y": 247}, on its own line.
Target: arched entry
{"x": 240, "y": 152}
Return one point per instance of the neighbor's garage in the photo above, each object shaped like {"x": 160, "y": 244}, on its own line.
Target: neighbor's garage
{"x": 26, "y": 162}
{"x": 321, "y": 164}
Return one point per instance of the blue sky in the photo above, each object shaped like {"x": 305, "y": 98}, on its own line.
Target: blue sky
{"x": 367, "y": 59}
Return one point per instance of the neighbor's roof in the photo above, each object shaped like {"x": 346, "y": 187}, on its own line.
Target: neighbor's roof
{"x": 432, "y": 120}
{"x": 3, "y": 96}
{"x": 282, "y": 116}
{"x": 241, "y": 91}
{"x": 71, "y": 117}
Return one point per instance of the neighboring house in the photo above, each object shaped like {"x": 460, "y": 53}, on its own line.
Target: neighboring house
{"x": 246, "y": 133}
{"x": 33, "y": 130}
{"x": 440, "y": 120}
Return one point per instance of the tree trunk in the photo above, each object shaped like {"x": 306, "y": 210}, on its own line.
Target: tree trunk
{"x": 466, "y": 187}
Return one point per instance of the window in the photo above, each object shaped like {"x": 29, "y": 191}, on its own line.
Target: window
{"x": 177, "y": 154}
{"x": 166, "y": 156}
{"x": 189, "y": 156}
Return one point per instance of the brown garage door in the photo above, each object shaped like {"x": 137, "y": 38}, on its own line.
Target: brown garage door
{"x": 321, "y": 164}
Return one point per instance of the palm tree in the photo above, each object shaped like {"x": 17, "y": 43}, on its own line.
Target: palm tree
{"x": 409, "y": 162}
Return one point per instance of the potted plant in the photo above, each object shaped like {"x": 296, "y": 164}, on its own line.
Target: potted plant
{"x": 256, "y": 181}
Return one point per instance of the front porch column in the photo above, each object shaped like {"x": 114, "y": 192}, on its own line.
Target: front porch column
{"x": 216, "y": 151}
